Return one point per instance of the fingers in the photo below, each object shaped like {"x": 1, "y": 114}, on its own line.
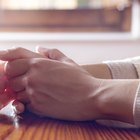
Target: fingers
{"x": 54, "y": 54}
{"x": 51, "y": 53}
{"x": 17, "y": 67}
{"x": 18, "y": 107}
{"x": 2, "y": 78}
{"x": 2, "y": 85}
{"x": 6, "y": 97}
{"x": 3, "y": 81}
{"x": 17, "y": 53}
{"x": 23, "y": 97}
{"x": 17, "y": 84}
{"x": 42, "y": 51}
{"x": 1, "y": 67}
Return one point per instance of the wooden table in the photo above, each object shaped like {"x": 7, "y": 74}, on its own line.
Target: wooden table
{"x": 31, "y": 127}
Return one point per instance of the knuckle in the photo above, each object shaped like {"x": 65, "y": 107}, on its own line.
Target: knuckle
{"x": 30, "y": 77}
{"x": 35, "y": 63}
{"x": 29, "y": 80}
{"x": 38, "y": 63}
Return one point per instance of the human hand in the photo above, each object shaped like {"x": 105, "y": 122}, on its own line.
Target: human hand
{"x": 56, "y": 87}
{"x": 6, "y": 93}
{"x": 2, "y": 78}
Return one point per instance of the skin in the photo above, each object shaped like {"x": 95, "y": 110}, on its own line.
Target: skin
{"x": 98, "y": 70}
{"x": 8, "y": 95}
{"x": 51, "y": 84}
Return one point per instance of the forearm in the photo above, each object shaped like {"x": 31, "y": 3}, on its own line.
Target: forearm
{"x": 120, "y": 69}
{"x": 116, "y": 99}
{"x": 98, "y": 70}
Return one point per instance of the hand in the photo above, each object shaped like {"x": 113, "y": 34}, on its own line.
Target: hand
{"x": 2, "y": 78}
{"x": 54, "y": 86}
{"x": 7, "y": 95}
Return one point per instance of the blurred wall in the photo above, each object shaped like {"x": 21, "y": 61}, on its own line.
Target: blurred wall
{"x": 84, "y": 52}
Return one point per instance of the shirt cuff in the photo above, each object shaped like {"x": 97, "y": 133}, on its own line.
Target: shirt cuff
{"x": 122, "y": 70}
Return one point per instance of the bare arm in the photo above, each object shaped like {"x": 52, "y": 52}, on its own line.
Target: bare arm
{"x": 98, "y": 70}
{"x": 68, "y": 92}
{"x": 116, "y": 99}
{"x": 112, "y": 103}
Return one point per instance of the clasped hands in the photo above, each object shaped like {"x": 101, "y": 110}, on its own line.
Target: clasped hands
{"x": 48, "y": 83}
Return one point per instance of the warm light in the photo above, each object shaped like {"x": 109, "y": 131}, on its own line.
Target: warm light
{"x": 61, "y": 4}
{"x": 38, "y": 4}
{"x": 65, "y": 4}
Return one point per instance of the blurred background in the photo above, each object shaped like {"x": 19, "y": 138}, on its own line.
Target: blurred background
{"x": 62, "y": 4}
{"x": 88, "y": 31}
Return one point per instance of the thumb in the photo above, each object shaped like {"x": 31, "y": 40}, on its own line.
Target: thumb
{"x": 17, "y": 53}
{"x": 43, "y": 51}
{"x": 52, "y": 54}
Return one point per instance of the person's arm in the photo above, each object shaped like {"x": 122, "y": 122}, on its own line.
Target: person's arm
{"x": 6, "y": 94}
{"x": 117, "y": 69}
{"x": 67, "y": 91}
{"x": 117, "y": 98}
{"x": 98, "y": 70}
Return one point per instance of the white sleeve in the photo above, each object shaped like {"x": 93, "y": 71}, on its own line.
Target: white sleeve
{"x": 136, "y": 108}
{"x": 122, "y": 69}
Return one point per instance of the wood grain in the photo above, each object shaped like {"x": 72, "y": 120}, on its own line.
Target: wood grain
{"x": 32, "y": 127}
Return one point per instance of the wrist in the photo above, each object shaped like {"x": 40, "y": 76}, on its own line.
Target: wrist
{"x": 116, "y": 98}
{"x": 93, "y": 107}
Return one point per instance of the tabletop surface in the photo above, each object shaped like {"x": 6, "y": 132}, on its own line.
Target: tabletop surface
{"x": 31, "y": 127}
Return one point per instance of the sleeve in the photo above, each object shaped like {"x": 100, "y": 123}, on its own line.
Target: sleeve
{"x": 126, "y": 69}
{"x": 122, "y": 69}
{"x": 136, "y": 63}
{"x": 136, "y": 115}
{"x": 136, "y": 108}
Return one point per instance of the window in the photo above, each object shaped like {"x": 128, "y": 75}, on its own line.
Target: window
{"x": 65, "y": 15}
